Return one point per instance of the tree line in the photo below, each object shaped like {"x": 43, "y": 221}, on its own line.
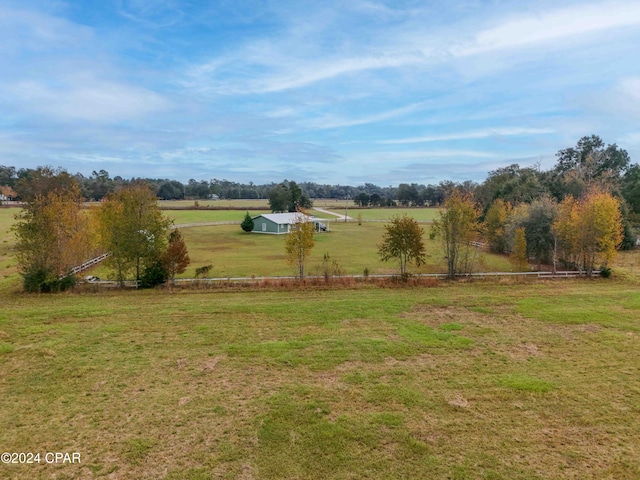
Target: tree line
{"x": 577, "y": 168}
{"x": 577, "y": 215}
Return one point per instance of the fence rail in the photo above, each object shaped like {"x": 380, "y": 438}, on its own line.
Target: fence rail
{"x": 89, "y": 263}
{"x": 441, "y": 276}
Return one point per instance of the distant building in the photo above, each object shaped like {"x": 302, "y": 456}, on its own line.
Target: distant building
{"x": 279, "y": 223}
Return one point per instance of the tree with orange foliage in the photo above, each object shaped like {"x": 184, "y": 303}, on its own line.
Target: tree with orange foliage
{"x": 52, "y": 237}
{"x": 176, "y": 259}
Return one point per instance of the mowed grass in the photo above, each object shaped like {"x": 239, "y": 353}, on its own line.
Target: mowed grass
{"x": 251, "y": 204}
{"x": 369, "y": 214}
{"x": 420, "y": 214}
{"x": 206, "y": 216}
{"x": 8, "y": 267}
{"x": 239, "y": 203}
{"x": 234, "y": 253}
{"x": 463, "y": 381}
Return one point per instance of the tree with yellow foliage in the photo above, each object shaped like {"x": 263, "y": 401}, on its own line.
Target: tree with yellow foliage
{"x": 599, "y": 229}
{"x": 589, "y": 231}
{"x": 518, "y": 257}
{"x": 133, "y": 228}
{"x": 299, "y": 242}
{"x": 52, "y": 237}
{"x": 495, "y": 222}
{"x": 456, "y": 227}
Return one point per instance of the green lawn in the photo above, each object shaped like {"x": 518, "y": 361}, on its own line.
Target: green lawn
{"x": 463, "y": 381}
{"x": 250, "y": 204}
{"x": 205, "y": 216}
{"x": 420, "y": 214}
{"x": 235, "y": 253}
{"x": 8, "y": 270}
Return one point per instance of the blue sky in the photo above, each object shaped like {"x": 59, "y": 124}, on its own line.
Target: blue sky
{"x": 324, "y": 91}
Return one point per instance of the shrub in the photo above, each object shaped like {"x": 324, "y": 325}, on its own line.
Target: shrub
{"x": 203, "y": 271}
{"x": 153, "y": 275}
{"x": 43, "y": 281}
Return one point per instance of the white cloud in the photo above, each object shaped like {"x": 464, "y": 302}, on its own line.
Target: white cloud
{"x": 528, "y": 30}
{"x": 88, "y": 99}
{"x": 295, "y": 73}
{"x": 336, "y": 122}
{"x": 631, "y": 88}
{"x": 401, "y": 156}
{"x": 28, "y": 30}
{"x": 153, "y": 13}
{"x": 475, "y": 134}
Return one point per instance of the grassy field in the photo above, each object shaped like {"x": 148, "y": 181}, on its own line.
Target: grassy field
{"x": 250, "y": 204}
{"x": 463, "y": 381}
{"x": 204, "y": 216}
{"x": 420, "y": 214}
{"x": 8, "y": 271}
{"x": 234, "y": 253}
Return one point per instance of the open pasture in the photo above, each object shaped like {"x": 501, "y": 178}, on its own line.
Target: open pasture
{"x": 8, "y": 270}
{"x": 251, "y": 204}
{"x": 205, "y": 216}
{"x": 238, "y": 203}
{"x": 463, "y": 381}
{"x": 234, "y": 253}
{"x": 420, "y": 214}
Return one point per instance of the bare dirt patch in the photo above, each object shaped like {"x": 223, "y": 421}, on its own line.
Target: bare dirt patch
{"x": 210, "y": 365}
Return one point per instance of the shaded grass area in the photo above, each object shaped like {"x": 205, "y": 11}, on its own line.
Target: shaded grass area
{"x": 461, "y": 381}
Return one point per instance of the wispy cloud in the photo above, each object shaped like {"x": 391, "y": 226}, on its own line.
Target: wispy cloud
{"x": 475, "y": 134}
{"x": 533, "y": 29}
{"x": 384, "y": 88}
{"x": 86, "y": 99}
{"x": 328, "y": 122}
{"x": 152, "y": 13}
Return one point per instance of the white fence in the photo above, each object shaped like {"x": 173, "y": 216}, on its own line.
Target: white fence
{"x": 441, "y": 276}
{"x": 90, "y": 263}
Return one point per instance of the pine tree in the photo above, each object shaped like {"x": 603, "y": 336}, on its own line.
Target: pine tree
{"x": 247, "y": 223}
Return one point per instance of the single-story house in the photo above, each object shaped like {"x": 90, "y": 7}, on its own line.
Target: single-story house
{"x": 277, "y": 223}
